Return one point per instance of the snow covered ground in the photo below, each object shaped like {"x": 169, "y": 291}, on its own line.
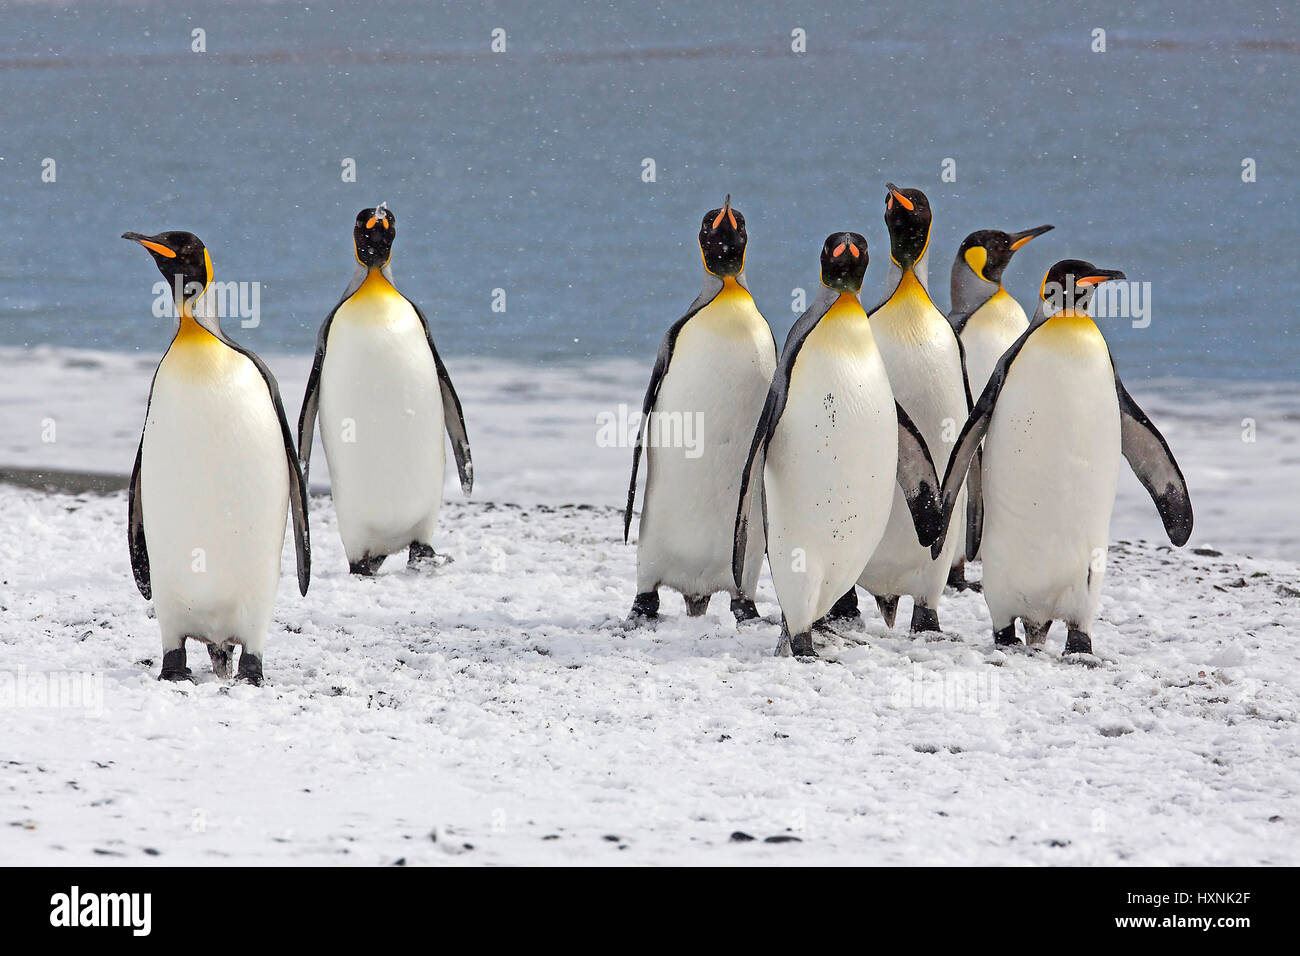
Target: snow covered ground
{"x": 496, "y": 712}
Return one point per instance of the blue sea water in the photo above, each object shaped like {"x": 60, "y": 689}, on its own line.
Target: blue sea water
{"x": 522, "y": 170}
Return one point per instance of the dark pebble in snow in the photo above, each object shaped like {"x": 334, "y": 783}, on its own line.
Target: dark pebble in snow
{"x": 611, "y": 838}
{"x": 783, "y": 838}
{"x": 150, "y": 851}
{"x": 1275, "y": 819}
{"x": 551, "y": 836}
{"x": 400, "y": 861}
{"x": 724, "y": 737}
{"x": 1207, "y": 552}
{"x": 741, "y": 837}
{"x": 101, "y": 852}
{"x": 1058, "y": 843}
{"x": 1285, "y": 591}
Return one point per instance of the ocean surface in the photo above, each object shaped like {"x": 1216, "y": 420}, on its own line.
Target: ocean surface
{"x": 523, "y": 170}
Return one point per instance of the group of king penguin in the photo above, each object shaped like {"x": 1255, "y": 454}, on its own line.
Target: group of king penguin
{"x": 826, "y": 458}
{"x": 884, "y": 448}
{"x": 218, "y": 466}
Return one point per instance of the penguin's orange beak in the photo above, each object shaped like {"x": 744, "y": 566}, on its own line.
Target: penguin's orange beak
{"x": 150, "y": 244}
{"x": 896, "y": 195}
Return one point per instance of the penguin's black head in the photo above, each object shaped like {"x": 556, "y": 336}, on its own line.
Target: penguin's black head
{"x": 1071, "y": 282}
{"x": 722, "y": 240}
{"x": 907, "y": 214}
{"x": 844, "y": 261}
{"x": 988, "y": 251}
{"x": 182, "y": 259}
{"x": 373, "y": 235}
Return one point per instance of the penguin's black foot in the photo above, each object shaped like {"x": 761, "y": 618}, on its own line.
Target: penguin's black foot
{"x": 924, "y": 619}
{"x": 696, "y": 604}
{"x": 220, "y": 657}
{"x": 801, "y": 645}
{"x": 1006, "y": 636}
{"x": 423, "y": 556}
{"x": 1077, "y": 642}
{"x": 645, "y": 607}
{"x": 957, "y": 577}
{"x": 782, "y": 646}
{"x": 174, "y": 667}
{"x": 365, "y": 568}
{"x": 1036, "y": 634}
{"x": 846, "y": 608}
{"x": 743, "y": 609}
{"x": 250, "y": 669}
{"x": 888, "y": 606}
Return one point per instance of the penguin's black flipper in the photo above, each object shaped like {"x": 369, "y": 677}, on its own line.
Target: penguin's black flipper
{"x": 1149, "y": 456}
{"x": 752, "y": 476}
{"x": 453, "y": 416}
{"x": 311, "y": 397}
{"x": 713, "y": 285}
{"x": 974, "y": 505}
{"x": 135, "y": 528}
{"x": 917, "y": 478}
{"x": 964, "y": 453}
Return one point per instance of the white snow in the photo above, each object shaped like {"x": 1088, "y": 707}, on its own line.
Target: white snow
{"x": 498, "y": 702}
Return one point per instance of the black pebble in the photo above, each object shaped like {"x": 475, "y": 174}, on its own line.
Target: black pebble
{"x": 740, "y": 836}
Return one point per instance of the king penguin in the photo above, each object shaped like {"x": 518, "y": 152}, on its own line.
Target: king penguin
{"x": 214, "y": 476}
{"x": 706, "y": 391}
{"x": 1055, "y": 419}
{"x": 987, "y": 320}
{"x": 927, "y": 369}
{"x": 384, "y": 399}
{"x": 830, "y": 448}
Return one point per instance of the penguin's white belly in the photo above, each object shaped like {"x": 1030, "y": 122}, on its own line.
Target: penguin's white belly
{"x": 831, "y": 470}
{"x": 381, "y": 422}
{"x": 214, "y": 488}
{"x": 924, "y": 363}
{"x": 697, "y": 441}
{"x": 1051, "y": 463}
{"x": 988, "y": 333}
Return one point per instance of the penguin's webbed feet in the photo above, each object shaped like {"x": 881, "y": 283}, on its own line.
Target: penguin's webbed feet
{"x": 645, "y": 607}
{"x": 250, "y": 669}
{"x": 220, "y": 657}
{"x": 846, "y": 608}
{"x": 1006, "y": 636}
{"x": 743, "y": 609}
{"x": 365, "y": 567}
{"x": 420, "y": 556}
{"x": 924, "y": 619}
{"x": 174, "y": 667}
{"x": 1078, "y": 642}
{"x": 801, "y": 645}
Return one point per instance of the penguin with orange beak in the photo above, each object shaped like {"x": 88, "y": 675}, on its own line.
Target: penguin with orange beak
{"x": 1054, "y": 419}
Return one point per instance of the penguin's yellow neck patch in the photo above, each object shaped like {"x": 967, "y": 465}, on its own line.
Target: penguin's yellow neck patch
{"x": 846, "y": 306}
{"x": 196, "y": 355}
{"x": 1073, "y": 331}
{"x": 732, "y": 289}
{"x": 191, "y": 334}
{"x": 375, "y": 287}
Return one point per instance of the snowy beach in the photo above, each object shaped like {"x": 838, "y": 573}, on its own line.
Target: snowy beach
{"x": 496, "y": 711}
